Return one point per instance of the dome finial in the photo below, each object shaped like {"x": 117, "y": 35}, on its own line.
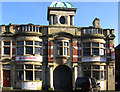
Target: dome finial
{"x": 61, "y": 4}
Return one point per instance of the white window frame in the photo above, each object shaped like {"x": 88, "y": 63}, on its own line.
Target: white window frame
{"x": 63, "y": 47}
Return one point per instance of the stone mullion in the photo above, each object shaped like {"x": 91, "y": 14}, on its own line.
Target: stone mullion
{"x": 24, "y": 48}
{"x": 33, "y": 47}
{"x": 33, "y": 73}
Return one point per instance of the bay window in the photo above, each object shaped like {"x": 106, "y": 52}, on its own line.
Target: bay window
{"x": 29, "y": 72}
{"x": 95, "y": 51}
{"x": 63, "y": 48}
{"x": 93, "y": 48}
{"x": 29, "y": 50}
{"x": 29, "y": 75}
{"x": 86, "y": 51}
{"x": 38, "y": 75}
{"x": 29, "y": 47}
{"x": 102, "y": 49}
{"x": 96, "y": 71}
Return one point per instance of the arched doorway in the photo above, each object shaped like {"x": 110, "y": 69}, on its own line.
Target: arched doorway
{"x": 62, "y": 78}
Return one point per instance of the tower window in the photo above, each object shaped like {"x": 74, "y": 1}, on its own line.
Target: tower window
{"x": 62, "y": 20}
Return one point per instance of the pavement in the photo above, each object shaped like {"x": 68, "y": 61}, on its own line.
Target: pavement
{"x": 20, "y": 90}
{"x": 9, "y": 89}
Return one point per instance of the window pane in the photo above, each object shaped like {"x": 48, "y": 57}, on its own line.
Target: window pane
{"x": 102, "y": 67}
{"x": 23, "y": 28}
{"x": 20, "y": 43}
{"x": 29, "y": 50}
{"x": 100, "y": 31}
{"x": 65, "y": 51}
{"x": 101, "y": 45}
{"x": 38, "y": 66}
{"x": 65, "y": 43}
{"x": 27, "y": 28}
{"x": 20, "y": 75}
{"x": 7, "y": 50}
{"x": 86, "y": 44}
{"x": 38, "y": 43}
{"x": 29, "y": 75}
{"x": 96, "y": 67}
{"x": 7, "y": 43}
{"x": 86, "y": 52}
{"x": 38, "y": 51}
{"x": 102, "y": 52}
{"x": 60, "y": 44}
{"x": 87, "y": 67}
{"x": 30, "y": 28}
{"x": 83, "y": 31}
{"x": 94, "y": 31}
{"x": 95, "y": 44}
{"x": 38, "y": 75}
{"x": 95, "y": 51}
{"x": 29, "y": 42}
{"x": 87, "y": 31}
{"x": 96, "y": 74}
{"x": 60, "y": 51}
{"x": 90, "y": 31}
{"x": 20, "y": 50}
{"x": 103, "y": 75}
{"x": 34, "y": 28}
{"x": 20, "y": 66}
{"x": 29, "y": 66}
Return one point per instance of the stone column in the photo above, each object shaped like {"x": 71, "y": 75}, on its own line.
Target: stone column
{"x": 72, "y": 20}
{"x": 55, "y": 19}
{"x": 80, "y": 70}
{"x": 43, "y": 75}
{"x": 22, "y": 28}
{"x": 51, "y": 77}
{"x": 51, "y": 17}
{"x": 75, "y": 71}
{"x": 1, "y": 81}
{"x": 68, "y": 20}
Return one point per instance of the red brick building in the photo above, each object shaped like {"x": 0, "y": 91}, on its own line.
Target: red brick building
{"x": 33, "y": 56}
{"x": 117, "y": 67}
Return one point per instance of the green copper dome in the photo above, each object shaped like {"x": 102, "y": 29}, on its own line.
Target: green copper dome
{"x": 62, "y": 4}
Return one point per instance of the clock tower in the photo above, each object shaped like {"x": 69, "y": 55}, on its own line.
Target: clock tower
{"x": 61, "y": 14}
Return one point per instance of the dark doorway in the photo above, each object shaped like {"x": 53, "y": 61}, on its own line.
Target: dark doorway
{"x": 6, "y": 78}
{"x": 62, "y": 77}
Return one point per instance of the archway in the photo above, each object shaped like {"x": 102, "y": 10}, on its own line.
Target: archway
{"x": 62, "y": 78}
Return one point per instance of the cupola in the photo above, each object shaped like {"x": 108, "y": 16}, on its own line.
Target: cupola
{"x": 61, "y": 14}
